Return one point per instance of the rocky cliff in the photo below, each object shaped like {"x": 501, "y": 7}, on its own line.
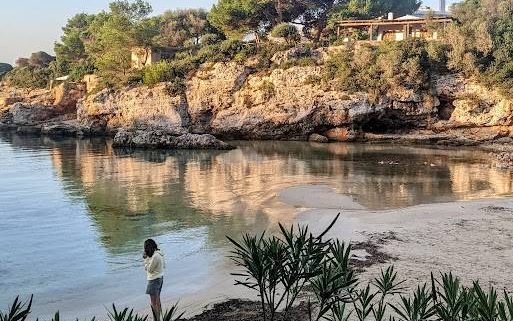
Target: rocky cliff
{"x": 236, "y": 101}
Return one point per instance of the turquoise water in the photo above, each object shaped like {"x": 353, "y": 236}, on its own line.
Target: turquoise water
{"x": 74, "y": 213}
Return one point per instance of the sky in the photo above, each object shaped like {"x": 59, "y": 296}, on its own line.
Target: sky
{"x": 28, "y": 26}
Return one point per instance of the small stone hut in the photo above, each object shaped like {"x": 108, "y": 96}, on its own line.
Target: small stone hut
{"x": 142, "y": 57}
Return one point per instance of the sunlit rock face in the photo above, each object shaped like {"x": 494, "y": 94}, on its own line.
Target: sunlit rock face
{"x": 139, "y": 107}
{"x": 211, "y": 90}
{"x": 288, "y": 103}
{"x": 235, "y": 101}
{"x": 473, "y": 104}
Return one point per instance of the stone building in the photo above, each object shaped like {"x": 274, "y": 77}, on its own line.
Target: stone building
{"x": 142, "y": 57}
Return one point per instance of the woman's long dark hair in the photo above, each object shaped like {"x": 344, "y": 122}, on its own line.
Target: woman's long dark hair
{"x": 150, "y": 246}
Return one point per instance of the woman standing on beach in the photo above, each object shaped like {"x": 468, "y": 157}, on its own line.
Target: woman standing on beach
{"x": 154, "y": 265}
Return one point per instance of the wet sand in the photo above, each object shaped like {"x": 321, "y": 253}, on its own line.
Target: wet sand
{"x": 473, "y": 239}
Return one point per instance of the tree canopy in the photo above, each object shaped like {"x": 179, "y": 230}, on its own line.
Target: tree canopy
{"x": 366, "y": 9}
{"x": 482, "y": 42}
{"x": 182, "y": 26}
{"x": 479, "y": 44}
{"x": 236, "y": 18}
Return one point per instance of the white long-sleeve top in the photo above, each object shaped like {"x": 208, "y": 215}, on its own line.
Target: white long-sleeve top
{"x": 155, "y": 266}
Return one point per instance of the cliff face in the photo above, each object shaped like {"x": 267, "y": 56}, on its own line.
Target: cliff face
{"x": 233, "y": 101}
{"x": 236, "y": 101}
{"x": 138, "y": 108}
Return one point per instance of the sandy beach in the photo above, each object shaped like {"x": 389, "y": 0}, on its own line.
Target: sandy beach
{"x": 473, "y": 239}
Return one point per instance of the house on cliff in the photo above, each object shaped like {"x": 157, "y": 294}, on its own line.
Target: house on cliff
{"x": 424, "y": 25}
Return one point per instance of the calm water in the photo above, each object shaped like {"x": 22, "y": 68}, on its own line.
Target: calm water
{"x": 74, "y": 213}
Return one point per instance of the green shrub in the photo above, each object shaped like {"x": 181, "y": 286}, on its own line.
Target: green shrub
{"x": 280, "y": 268}
{"x": 78, "y": 71}
{"x": 165, "y": 71}
{"x": 286, "y": 31}
{"x": 211, "y": 53}
{"x": 377, "y": 69}
{"x": 437, "y": 53}
{"x": 210, "y": 39}
{"x": 29, "y": 77}
{"x": 229, "y": 48}
{"x": 159, "y": 72}
{"x": 135, "y": 77}
{"x": 19, "y": 311}
{"x": 125, "y": 315}
{"x": 481, "y": 43}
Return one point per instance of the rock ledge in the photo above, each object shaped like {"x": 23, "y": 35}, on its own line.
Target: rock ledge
{"x": 156, "y": 139}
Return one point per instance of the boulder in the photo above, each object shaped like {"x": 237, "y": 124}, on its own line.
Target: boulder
{"x": 22, "y": 114}
{"x": 61, "y": 129}
{"x": 153, "y": 139}
{"x": 7, "y": 101}
{"x": 28, "y": 130}
{"x": 340, "y": 134}
{"x": 316, "y": 138}
{"x": 67, "y": 95}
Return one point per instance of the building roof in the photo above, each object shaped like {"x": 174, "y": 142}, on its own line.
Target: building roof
{"x": 63, "y": 78}
{"x": 408, "y": 17}
{"x": 385, "y": 22}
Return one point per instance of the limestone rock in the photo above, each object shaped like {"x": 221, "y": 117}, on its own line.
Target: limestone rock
{"x": 137, "y": 107}
{"x": 211, "y": 90}
{"x": 472, "y": 104}
{"x": 340, "y": 134}
{"x": 7, "y": 101}
{"x": 91, "y": 83}
{"x": 23, "y": 114}
{"x": 160, "y": 139}
{"x": 295, "y": 54}
{"x": 62, "y": 129}
{"x": 67, "y": 95}
{"x": 449, "y": 85}
{"x": 316, "y": 138}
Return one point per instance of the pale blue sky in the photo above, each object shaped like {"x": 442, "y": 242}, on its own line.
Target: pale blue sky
{"x": 27, "y": 26}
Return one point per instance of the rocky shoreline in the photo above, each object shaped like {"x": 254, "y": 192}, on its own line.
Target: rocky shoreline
{"x": 233, "y": 101}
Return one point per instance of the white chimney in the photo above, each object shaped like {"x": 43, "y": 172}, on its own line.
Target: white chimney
{"x": 391, "y": 15}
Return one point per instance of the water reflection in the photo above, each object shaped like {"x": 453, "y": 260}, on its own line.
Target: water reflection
{"x": 133, "y": 194}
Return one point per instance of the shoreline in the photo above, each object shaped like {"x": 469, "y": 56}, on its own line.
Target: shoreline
{"x": 68, "y": 129}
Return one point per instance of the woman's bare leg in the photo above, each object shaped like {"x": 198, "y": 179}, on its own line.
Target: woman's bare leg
{"x": 155, "y": 305}
{"x": 159, "y": 305}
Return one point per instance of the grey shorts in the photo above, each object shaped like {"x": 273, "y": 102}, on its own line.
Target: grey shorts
{"x": 155, "y": 286}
